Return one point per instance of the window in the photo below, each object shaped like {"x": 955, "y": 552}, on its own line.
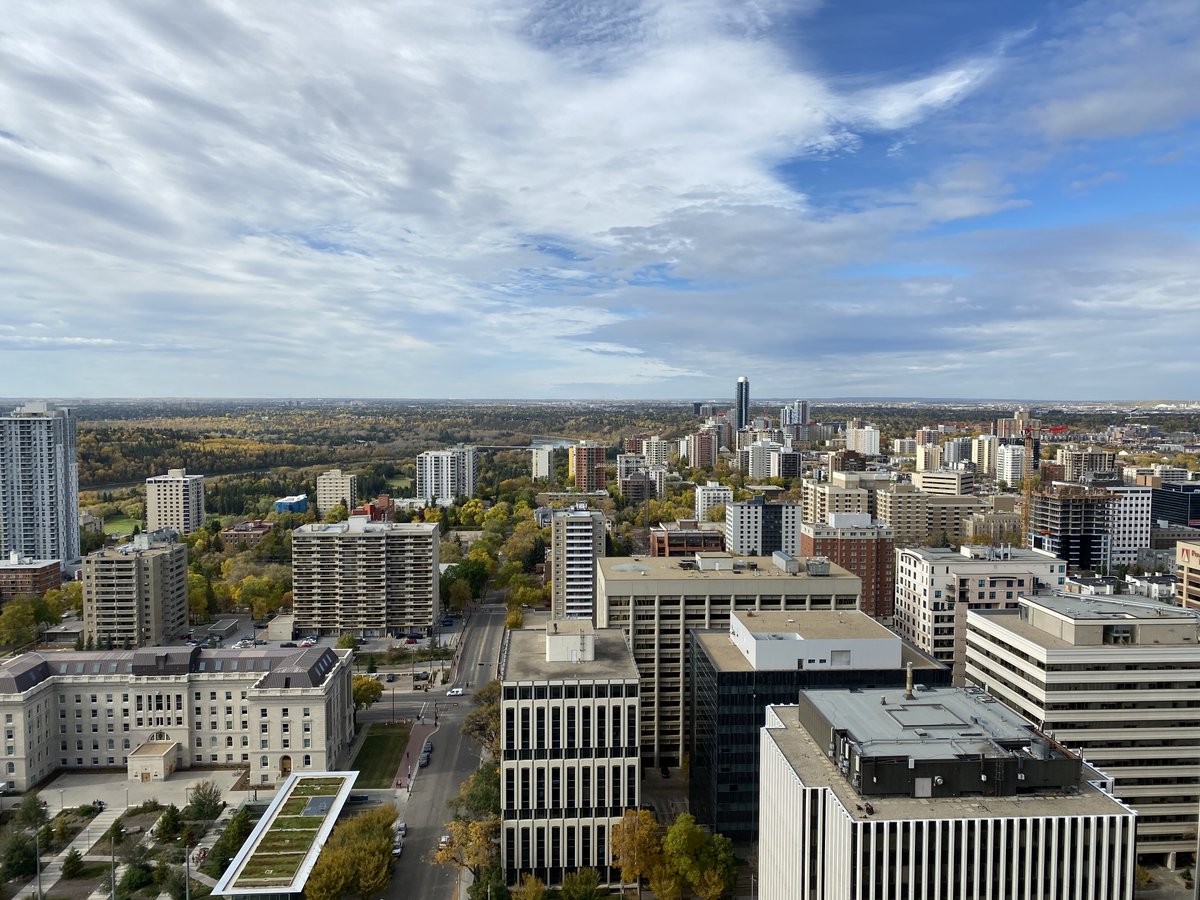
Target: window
{"x": 307, "y": 760}
{"x": 262, "y": 761}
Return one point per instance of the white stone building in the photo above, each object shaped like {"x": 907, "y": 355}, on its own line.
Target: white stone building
{"x": 335, "y": 487}
{"x": 175, "y": 501}
{"x": 709, "y": 495}
{"x": 576, "y": 543}
{"x": 447, "y": 474}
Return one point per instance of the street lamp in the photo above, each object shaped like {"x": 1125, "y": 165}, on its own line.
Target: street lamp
{"x": 37, "y": 859}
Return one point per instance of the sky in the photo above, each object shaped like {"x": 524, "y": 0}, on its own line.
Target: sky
{"x": 600, "y": 199}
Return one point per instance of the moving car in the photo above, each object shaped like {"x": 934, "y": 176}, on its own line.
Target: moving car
{"x": 288, "y": 644}
{"x": 307, "y": 643}
{"x": 391, "y": 677}
{"x": 454, "y": 692}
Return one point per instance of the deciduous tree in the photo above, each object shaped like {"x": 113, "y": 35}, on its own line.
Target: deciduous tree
{"x": 530, "y": 888}
{"x": 582, "y": 885}
{"x": 366, "y": 691}
{"x": 636, "y": 845}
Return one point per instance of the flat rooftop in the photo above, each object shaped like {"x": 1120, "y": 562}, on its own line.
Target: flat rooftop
{"x": 1081, "y": 608}
{"x": 527, "y": 658}
{"x": 726, "y": 657}
{"x": 631, "y": 568}
{"x": 815, "y": 769}
{"x": 815, "y": 624}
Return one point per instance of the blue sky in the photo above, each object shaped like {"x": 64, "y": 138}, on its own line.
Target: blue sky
{"x": 601, "y": 198}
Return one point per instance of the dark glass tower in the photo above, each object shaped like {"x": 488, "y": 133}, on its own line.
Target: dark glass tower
{"x": 743, "y": 402}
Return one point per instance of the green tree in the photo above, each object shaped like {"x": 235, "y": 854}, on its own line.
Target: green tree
{"x": 489, "y": 886}
{"x": 72, "y": 866}
{"x": 18, "y": 623}
{"x": 479, "y": 796}
{"x": 17, "y": 856}
{"x": 168, "y": 825}
{"x": 31, "y": 813}
{"x": 636, "y": 845}
{"x": 460, "y": 594}
{"x": 338, "y": 513}
{"x": 365, "y": 690}
{"x": 198, "y": 588}
{"x": 582, "y": 885}
{"x": 682, "y": 846}
{"x": 530, "y": 888}
{"x": 206, "y": 802}
{"x": 347, "y": 642}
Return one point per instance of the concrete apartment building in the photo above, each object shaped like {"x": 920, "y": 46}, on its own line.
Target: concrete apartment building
{"x": 709, "y": 495}
{"x": 576, "y": 543}
{"x": 39, "y": 484}
{"x": 702, "y": 448}
{"x": 569, "y": 760}
{"x": 862, "y": 439}
{"x": 20, "y": 575}
{"x": 1128, "y": 523}
{"x": 945, "y": 482}
{"x": 935, "y": 587}
{"x": 370, "y": 579}
{"x": 542, "y": 460}
{"x": 447, "y": 474}
{"x": 916, "y": 517}
{"x": 756, "y": 528}
{"x": 928, "y": 457}
{"x": 1116, "y": 679}
{"x": 175, "y": 501}
{"x": 843, "y": 493}
{"x": 766, "y": 658}
{"x": 336, "y": 487}
{"x": 1011, "y": 465}
{"x": 585, "y": 464}
{"x": 984, "y": 453}
{"x": 1077, "y": 463}
{"x": 934, "y": 794}
{"x": 860, "y": 545}
{"x": 657, "y": 601}
{"x": 136, "y": 594}
{"x": 156, "y": 710}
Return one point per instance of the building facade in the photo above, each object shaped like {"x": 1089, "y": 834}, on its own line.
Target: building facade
{"x": 271, "y": 711}
{"x": 861, "y": 545}
{"x": 1073, "y": 523}
{"x": 684, "y": 538}
{"x": 1128, "y": 523}
{"x": 1118, "y": 679}
{"x": 952, "y": 482}
{"x": 336, "y": 487}
{"x": 175, "y": 501}
{"x": 1187, "y": 555}
{"x": 863, "y": 439}
{"x": 934, "y": 794}
{"x": 569, "y": 760}
{"x": 576, "y": 543}
{"x": 657, "y": 601}
{"x": 585, "y": 464}
{"x": 39, "y": 484}
{"x": 757, "y": 528}
{"x": 22, "y": 576}
{"x": 447, "y": 474}
{"x": 542, "y": 460}
{"x": 741, "y": 414}
{"x": 370, "y": 579}
{"x": 136, "y": 594}
{"x": 709, "y": 495}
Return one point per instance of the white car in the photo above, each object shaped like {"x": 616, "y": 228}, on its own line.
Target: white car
{"x": 454, "y": 692}
{"x": 444, "y": 841}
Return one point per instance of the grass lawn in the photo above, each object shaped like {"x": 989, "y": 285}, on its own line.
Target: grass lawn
{"x": 381, "y": 755}
{"x": 123, "y": 525}
{"x": 399, "y": 483}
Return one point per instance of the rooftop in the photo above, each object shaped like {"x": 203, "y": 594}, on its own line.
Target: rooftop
{"x": 629, "y": 568}
{"x": 726, "y": 657}
{"x": 527, "y": 657}
{"x": 814, "y": 624}
{"x": 1081, "y": 608}
{"x": 815, "y": 769}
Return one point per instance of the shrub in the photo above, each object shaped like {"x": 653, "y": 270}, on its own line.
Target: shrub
{"x": 72, "y": 865}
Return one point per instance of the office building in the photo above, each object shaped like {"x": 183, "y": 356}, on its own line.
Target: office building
{"x": 1115, "y": 679}
{"x": 1077, "y": 463}
{"x": 542, "y": 461}
{"x": 585, "y": 464}
{"x": 569, "y": 760}
{"x": 685, "y": 538}
{"x": 22, "y": 576}
{"x": 158, "y": 710}
{"x": 136, "y": 594}
{"x": 734, "y": 674}
{"x": 863, "y": 439}
{"x": 39, "y": 484}
{"x": 1176, "y": 503}
{"x": 935, "y": 587}
{"x": 246, "y": 534}
{"x": 576, "y": 543}
{"x": 369, "y": 579}
{"x": 1073, "y": 523}
{"x": 1128, "y": 523}
{"x": 742, "y": 404}
{"x": 447, "y": 474}
{"x": 175, "y": 501}
{"x": 932, "y": 794}
{"x": 297, "y": 503}
{"x": 1011, "y": 465}
{"x": 710, "y": 495}
{"x": 861, "y": 545}
{"x": 1187, "y": 554}
{"x": 841, "y": 494}
{"x": 756, "y": 528}
{"x": 945, "y": 482}
{"x": 657, "y": 601}
{"x": 334, "y": 488}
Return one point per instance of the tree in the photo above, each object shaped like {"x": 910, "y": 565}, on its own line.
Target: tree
{"x": 18, "y": 858}
{"x": 489, "y": 886}
{"x": 530, "y": 888}
{"x": 472, "y": 846}
{"x": 347, "y": 642}
{"x": 582, "y": 885}
{"x": 31, "y": 813}
{"x": 72, "y": 866}
{"x": 197, "y": 597}
{"x": 365, "y": 690}
{"x": 206, "y": 802}
{"x": 460, "y": 594}
{"x": 515, "y": 619}
{"x": 682, "y": 846}
{"x": 338, "y": 513}
{"x": 720, "y": 866}
{"x": 636, "y": 845}
{"x": 18, "y": 624}
{"x": 482, "y": 723}
{"x": 168, "y": 825}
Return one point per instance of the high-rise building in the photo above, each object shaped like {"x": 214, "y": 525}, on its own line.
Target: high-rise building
{"x": 1077, "y": 463}
{"x": 175, "y": 501}
{"x": 742, "y": 403}
{"x": 756, "y": 528}
{"x": 794, "y": 413}
{"x": 983, "y": 453}
{"x": 936, "y": 793}
{"x": 336, "y": 487}
{"x": 1128, "y": 523}
{"x": 702, "y": 448}
{"x": 935, "y": 587}
{"x": 447, "y": 474}
{"x": 955, "y": 451}
{"x": 710, "y": 495}
{"x": 569, "y": 754}
{"x": 658, "y": 600}
{"x": 929, "y": 457}
{"x": 1176, "y": 502}
{"x": 863, "y": 439}
{"x": 576, "y": 544}
{"x": 1073, "y": 523}
{"x": 1187, "y": 555}
{"x": 585, "y": 464}
{"x": 136, "y": 594}
{"x": 39, "y": 484}
{"x": 656, "y": 450}
{"x": 861, "y": 545}
{"x": 1090, "y": 671}
{"x": 543, "y": 461}
{"x": 1011, "y": 465}
{"x": 370, "y": 579}
{"x": 840, "y": 495}
{"x": 944, "y": 482}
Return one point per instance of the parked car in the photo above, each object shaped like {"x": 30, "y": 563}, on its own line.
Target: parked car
{"x": 397, "y": 848}
{"x": 447, "y": 622}
{"x": 410, "y": 641}
{"x": 401, "y": 829}
{"x": 307, "y": 643}
{"x": 420, "y": 676}
{"x": 288, "y": 644}
{"x": 428, "y": 748}
{"x": 454, "y": 692}
{"x": 423, "y": 760}
{"x": 443, "y": 841}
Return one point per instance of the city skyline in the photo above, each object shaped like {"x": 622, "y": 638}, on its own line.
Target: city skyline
{"x": 563, "y": 202}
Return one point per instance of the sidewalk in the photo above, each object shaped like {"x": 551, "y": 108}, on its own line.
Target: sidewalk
{"x": 52, "y": 870}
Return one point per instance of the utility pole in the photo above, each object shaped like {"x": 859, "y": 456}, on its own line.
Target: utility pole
{"x": 187, "y": 878}
{"x": 37, "y": 858}
{"x": 112, "y": 844}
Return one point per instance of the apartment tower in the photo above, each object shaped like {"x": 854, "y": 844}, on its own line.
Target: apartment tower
{"x": 39, "y": 484}
{"x": 175, "y": 501}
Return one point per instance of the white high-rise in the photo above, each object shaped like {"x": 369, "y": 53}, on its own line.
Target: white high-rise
{"x": 39, "y": 483}
{"x": 864, "y": 440}
{"x": 334, "y": 487}
{"x": 543, "y": 461}
{"x": 1129, "y": 523}
{"x": 447, "y": 474}
{"x": 576, "y": 543}
{"x": 1011, "y": 465}
{"x": 175, "y": 501}
{"x": 710, "y": 495}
